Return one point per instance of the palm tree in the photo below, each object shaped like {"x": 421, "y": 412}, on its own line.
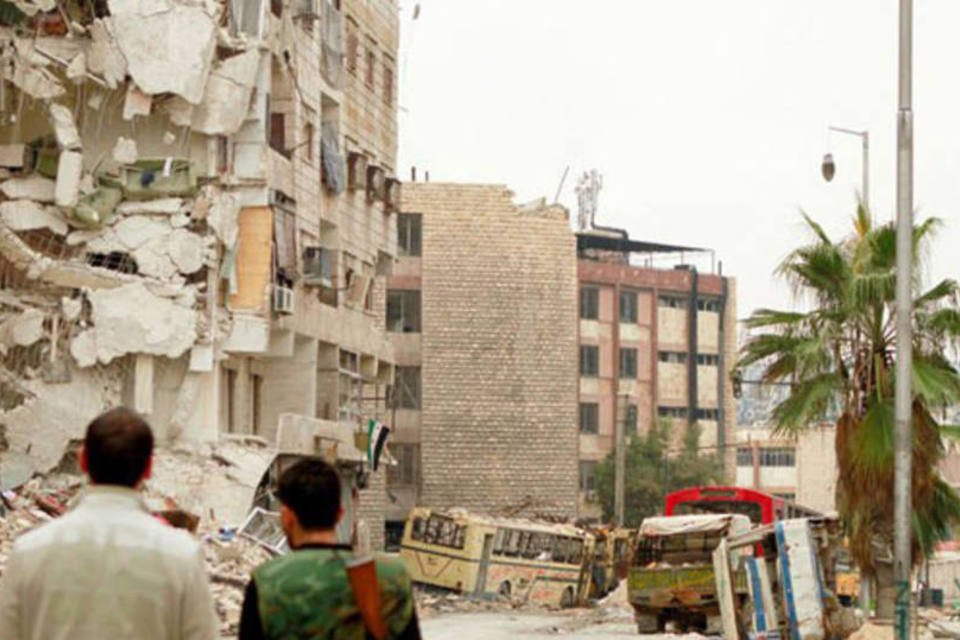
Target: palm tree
{"x": 839, "y": 359}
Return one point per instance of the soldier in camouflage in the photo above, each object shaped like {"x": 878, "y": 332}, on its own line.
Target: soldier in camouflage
{"x": 308, "y": 594}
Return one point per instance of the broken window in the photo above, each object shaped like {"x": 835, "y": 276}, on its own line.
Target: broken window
{"x": 628, "y": 363}
{"x": 673, "y": 357}
{"x": 332, "y": 165}
{"x": 407, "y": 387}
{"x": 588, "y": 475}
{"x": 589, "y": 361}
{"x": 115, "y": 261}
{"x": 672, "y": 302}
{"x": 439, "y": 530}
{"x": 404, "y": 473}
{"x": 409, "y": 234}
{"x": 403, "y": 310}
{"x": 672, "y": 412}
{"x": 285, "y": 238}
{"x": 589, "y": 417}
{"x": 744, "y": 457}
{"x": 628, "y": 306}
{"x": 256, "y": 398}
{"x": 589, "y": 303}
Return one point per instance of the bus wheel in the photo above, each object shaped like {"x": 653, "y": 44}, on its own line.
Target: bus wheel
{"x": 504, "y": 590}
{"x": 566, "y": 600}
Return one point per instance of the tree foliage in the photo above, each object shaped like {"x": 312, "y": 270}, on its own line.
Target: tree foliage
{"x": 840, "y": 359}
{"x": 654, "y": 468}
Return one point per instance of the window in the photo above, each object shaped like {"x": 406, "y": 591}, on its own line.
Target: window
{"x": 439, "y": 530}
{"x": 407, "y": 387}
{"x": 672, "y": 412}
{"x": 588, "y": 475}
{"x": 276, "y": 7}
{"x": 371, "y": 60}
{"x": 223, "y": 155}
{"x": 777, "y": 457}
{"x": 353, "y": 46}
{"x": 708, "y": 304}
{"x": 672, "y": 302}
{"x": 403, "y": 310}
{"x": 628, "y": 306}
{"x": 309, "y": 141}
{"x": 589, "y": 417}
{"x": 744, "y": 457}
{"x": 278, "y": 133}
{"x": 404, "y": 473}
{"x": 630, "y": 419}
{"x": 589, "y": 361}
{"x": 589, "y": 303}
{"x": 387, "y": 82}
{"x": 673, "y": 357}
{"x": 708, "y": 359}
{"x": 708, "y": 414}
{"x": 256, "y": 385}
{"x": 628, "y": 363}
{"x": 231, "y": 400}
{"x": 409, "y": 234}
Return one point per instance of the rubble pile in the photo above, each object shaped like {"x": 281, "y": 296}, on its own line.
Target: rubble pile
{"x": 230, "y": 560}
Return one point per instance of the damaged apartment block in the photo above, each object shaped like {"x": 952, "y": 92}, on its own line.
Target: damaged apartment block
{"x": 196, "y": 220}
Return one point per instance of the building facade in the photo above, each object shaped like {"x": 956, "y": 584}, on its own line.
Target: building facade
{"x": 198, "y": 221}
{"x": 655, "y": 344}
{"x": 482, "y": 312}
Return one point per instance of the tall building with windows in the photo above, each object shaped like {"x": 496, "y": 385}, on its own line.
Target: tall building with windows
{"x": 655, "y": 343}
{"x": 481, "y": 308}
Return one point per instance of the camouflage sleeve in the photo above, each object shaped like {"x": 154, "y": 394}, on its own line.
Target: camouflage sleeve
{"x": 397, "y": 596}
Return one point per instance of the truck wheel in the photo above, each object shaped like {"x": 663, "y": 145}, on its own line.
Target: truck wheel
{"x": 567, "y": 600}
{"x": 647, "y": 623}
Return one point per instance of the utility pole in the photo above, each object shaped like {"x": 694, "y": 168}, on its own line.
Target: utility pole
{"x": 619, "y": 456}
{"x": 902, "y": 560}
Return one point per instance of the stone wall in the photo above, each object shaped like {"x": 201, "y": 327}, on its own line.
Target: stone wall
{"x": 499, "y": 351}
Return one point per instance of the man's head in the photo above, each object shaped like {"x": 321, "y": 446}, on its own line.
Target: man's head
{"x": 309, "y": 493}
{"x": 118, "y": 449}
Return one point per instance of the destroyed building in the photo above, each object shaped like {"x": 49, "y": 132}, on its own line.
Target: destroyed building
{"x": 482, "y": 309}
{"x": 197, "y": 220}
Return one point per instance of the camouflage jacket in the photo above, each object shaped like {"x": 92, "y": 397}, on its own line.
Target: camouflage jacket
{"x": 306, "y": 594}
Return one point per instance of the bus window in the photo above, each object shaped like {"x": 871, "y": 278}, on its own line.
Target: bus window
{"x": 418, "y": 529}
{"x": 440, "y": 531}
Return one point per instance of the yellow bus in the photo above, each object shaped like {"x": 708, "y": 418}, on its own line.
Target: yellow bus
{"x": 484, "y": 556}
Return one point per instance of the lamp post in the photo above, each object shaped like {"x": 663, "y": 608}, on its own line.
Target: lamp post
{"x": 828, "y": 168}
{"x": 902, "y": 560}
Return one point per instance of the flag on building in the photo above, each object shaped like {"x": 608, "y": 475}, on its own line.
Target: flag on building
{"x": 377, "y": 432}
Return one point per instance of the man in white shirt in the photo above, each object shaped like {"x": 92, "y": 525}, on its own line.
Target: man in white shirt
{"x": 108, "y": 569}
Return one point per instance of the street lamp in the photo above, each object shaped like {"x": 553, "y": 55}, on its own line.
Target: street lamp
{"x": 829, "y": 168}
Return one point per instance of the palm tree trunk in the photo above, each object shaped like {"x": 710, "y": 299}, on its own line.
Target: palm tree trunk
{"x": 886, "y": 591}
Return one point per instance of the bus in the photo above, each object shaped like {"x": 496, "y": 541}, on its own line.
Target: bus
{"x": 484, "y": 556}
{"x": 760, "y": 507}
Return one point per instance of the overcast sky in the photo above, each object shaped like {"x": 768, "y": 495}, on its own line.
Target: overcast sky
{"x": 707, "y": 119}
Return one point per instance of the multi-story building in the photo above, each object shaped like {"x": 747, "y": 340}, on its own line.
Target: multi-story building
{"x": 198, "y": 220}
{"x": 655, "y": 344}
{"x": 482, "y": 311}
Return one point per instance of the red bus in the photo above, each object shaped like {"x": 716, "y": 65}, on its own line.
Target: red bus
{"x": 761, "y": 508}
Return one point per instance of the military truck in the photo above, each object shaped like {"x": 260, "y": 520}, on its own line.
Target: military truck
{"x": 672, "y": 579}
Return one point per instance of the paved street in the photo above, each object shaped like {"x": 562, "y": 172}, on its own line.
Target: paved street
{"x": 586, "y": 624}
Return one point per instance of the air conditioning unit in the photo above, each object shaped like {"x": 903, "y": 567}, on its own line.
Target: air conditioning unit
{"x": 376, "y": 183}
{"x": 283, "y": 300}
{"x": 392, "y": 192}
{"x": 318, "y": 267}
{"x": 356, "y": 171}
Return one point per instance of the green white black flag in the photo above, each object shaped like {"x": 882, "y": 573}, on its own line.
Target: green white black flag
{"x": 377, "y": 433}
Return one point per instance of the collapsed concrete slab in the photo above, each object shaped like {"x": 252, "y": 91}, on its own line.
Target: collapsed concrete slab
{"x": 168, "y": 46}
{"x": 26, "y": 215}
{"x": 130, "y": 319}
{"x": 32, "y": 187}
{"x": 125, "y": 150}
{"x": 69, "y": 172}
{"x": 227, "y": 92}
{"x": 64, "y": 126}
{"x": 22, "y": 330}
{"x": 103, "y": 56}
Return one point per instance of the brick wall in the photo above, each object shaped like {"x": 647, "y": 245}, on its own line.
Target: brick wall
{"x": 499, "y": 351}
{"x": 373, "y": 504}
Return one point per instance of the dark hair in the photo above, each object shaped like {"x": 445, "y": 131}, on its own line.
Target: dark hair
{"x": 119, "y": 444}
{"x": 311, "y": 488}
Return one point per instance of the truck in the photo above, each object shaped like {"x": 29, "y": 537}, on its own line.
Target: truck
{"x": 671, "y": 579}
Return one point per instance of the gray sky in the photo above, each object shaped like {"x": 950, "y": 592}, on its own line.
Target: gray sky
{"x": 708, "y": 119}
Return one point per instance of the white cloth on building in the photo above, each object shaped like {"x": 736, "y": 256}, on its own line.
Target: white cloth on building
{"x": 107, "y": 569}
